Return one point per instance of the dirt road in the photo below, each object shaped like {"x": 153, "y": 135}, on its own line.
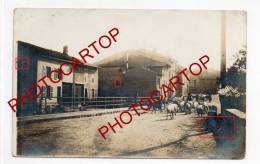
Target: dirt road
{"x": 149, "y": 135}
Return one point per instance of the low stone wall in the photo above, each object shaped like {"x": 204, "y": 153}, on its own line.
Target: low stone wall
{"x": 239, "y": 140}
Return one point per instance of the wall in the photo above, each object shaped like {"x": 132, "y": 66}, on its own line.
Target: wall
{"x": 82, "y": 76}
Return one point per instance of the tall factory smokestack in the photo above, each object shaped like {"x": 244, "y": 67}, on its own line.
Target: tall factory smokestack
{"x": 223, "y": 47}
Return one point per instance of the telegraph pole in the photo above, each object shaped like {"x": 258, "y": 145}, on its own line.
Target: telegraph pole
{"x": 223, "y": 48}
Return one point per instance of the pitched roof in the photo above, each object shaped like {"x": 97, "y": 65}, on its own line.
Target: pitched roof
{"x": 156, "y": 57}
{"x": 50, "y": 54}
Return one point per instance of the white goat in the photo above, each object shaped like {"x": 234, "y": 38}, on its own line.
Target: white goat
{"x": 171, "y": 109}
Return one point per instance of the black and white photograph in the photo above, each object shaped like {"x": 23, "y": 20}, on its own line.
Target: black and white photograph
{"x": 121, "y": 83}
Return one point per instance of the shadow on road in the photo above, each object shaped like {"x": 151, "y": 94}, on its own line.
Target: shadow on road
{"x": 164, "y": 119}
{"x": 158, "y": 147}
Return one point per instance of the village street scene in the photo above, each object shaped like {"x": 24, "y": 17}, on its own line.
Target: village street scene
{"x": 177, "y": 138}
{"x": 203, "y": 118}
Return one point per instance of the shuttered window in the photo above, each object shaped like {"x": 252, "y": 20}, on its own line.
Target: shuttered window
{"x": 48, "y": 71}
{"x": 49, "y": 92}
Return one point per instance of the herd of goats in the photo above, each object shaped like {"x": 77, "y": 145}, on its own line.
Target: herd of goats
{"x": 175, "y": 105}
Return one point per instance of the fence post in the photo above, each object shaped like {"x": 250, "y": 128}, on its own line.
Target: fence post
{"x": 105, "y": 103}
{"x": 40, "y": 104}
{"x": 61, "y": 102}
{"x": 96, "y": 103}
{"x": 45, "y": 104}
{"x": 113, "y": 101}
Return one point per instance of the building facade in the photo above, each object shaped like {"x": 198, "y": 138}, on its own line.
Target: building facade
{"x": 72, "y": 90}
{"x": 135, "y": 73}
{"x": 206, "y": 83}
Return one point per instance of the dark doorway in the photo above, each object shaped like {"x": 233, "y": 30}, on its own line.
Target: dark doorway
{"x": 67, "y": 94}
{"x": 92, "y": 93}
{"x": 59, "y": 95}
{"x": 79, "y": 93}
{"x": 86, "y": 95}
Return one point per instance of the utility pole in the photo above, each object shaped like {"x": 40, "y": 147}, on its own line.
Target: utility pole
{"x": 126, "y": 61}
{"x": 73, "y": 90}
{"x": 223, "y": 48}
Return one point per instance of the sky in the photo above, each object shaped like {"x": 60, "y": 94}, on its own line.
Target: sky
{"x": 184, "y": 35}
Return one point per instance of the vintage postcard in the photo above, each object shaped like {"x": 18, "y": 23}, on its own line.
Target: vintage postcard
{"x": 129, "y": 83}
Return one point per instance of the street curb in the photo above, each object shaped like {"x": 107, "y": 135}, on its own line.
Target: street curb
{"x": 26, "y": 121}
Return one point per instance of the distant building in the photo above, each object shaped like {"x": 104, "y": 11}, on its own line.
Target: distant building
{"x": 183, "y": 90}
{"x": 206, "y": 83}
{"x": 135, "y": 73}
{"x": 81, "y": 83}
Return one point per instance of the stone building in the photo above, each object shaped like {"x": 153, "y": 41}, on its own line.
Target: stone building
{"x": 135, "y": 73}
{"x": 206, "y": 83}
{"x": 73, "y": 89}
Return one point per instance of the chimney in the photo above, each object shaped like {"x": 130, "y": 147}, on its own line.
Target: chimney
{"x": 65, "y": 50}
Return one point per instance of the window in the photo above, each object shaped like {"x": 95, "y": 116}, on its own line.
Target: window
{"x": 48, "y": 71}
{"x": 93, "y": 79}
{"x": 43, "y": 92}
{"x": 57, "y": 76}
{"x": 78, "y": 91}
{"x": 58, "y": 91}
{"x": 49, "y": 92}
{"x": 117, "y": 82}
